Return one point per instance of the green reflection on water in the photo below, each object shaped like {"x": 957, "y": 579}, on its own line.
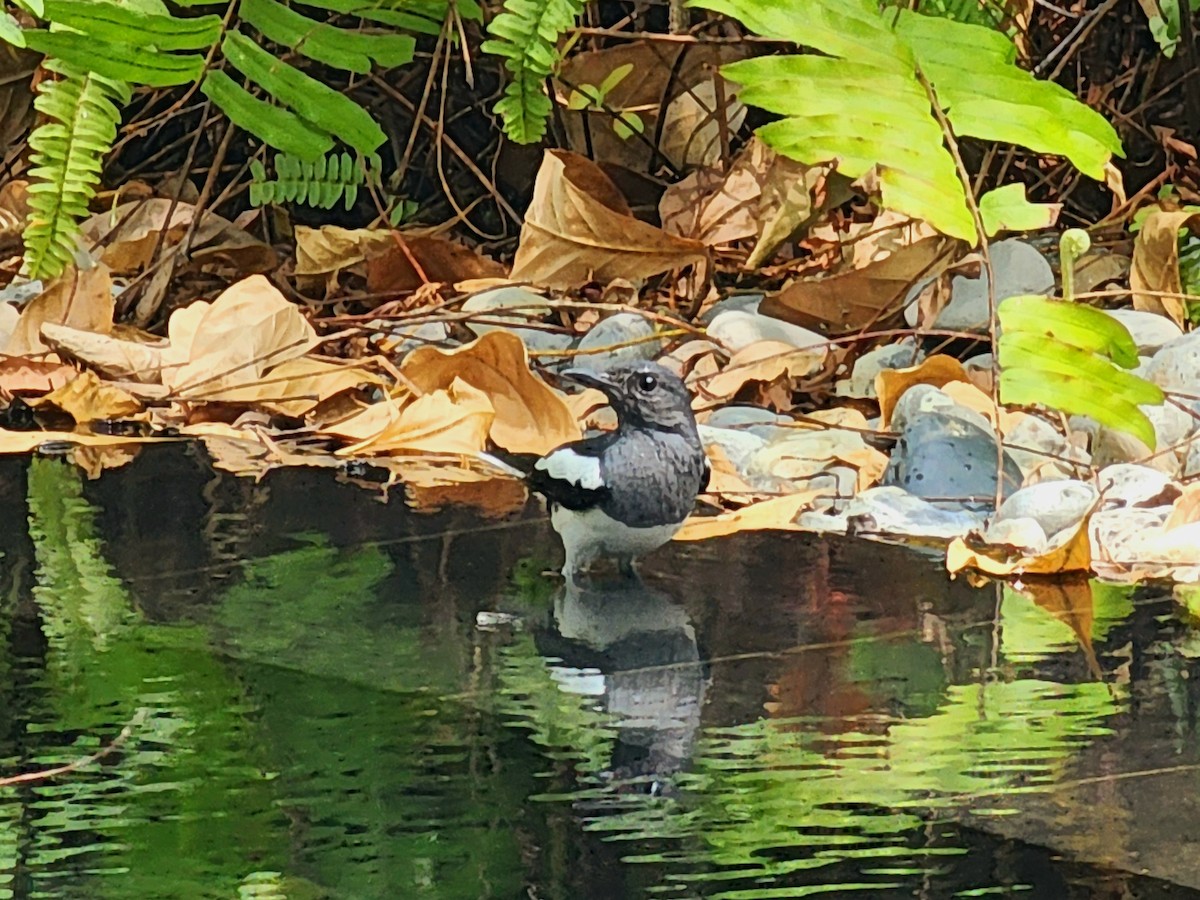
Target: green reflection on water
{"x": 312, "y": 738}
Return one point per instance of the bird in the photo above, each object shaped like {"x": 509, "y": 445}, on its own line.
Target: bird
{"x": 625, "y": 493}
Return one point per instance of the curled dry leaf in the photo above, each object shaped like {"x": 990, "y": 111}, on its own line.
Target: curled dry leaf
{"x": 776, "y": 514}
{"x": 890, "y": 384}
{"x": 764, "y": 197}
{"x": 442, "y": 261}
{"x": 578, "y": 228}
{"x": 294, "y": 388}
{"x": 247, "y": 330}
{"x": 861, "y": 297}
{"x": 128, "y": 234}
{"x": 762, "y": 361}
{"x": 86, "y": 399}
{"x": 530, "y": 416}
{"x": 330, "y": 249}
{"x": 114, "y": 357}
{"x": 79, "y": 298}
{"x": 450, "y": 421}
{"x": 1155, "y": 268}
{"x": 1070, "y": 552}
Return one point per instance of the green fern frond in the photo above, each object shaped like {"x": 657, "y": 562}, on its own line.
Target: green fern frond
{"x": 526, "y": 34}
{"x": 320, "y": 184}
{"x": 866, "y": 105}
{"x": 83, "y": 111}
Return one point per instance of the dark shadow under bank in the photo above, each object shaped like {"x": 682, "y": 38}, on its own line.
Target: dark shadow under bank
{"x": 766, "y": 716}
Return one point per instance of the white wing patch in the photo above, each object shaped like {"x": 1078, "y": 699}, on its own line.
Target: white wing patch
{"x": 567, "y": 465}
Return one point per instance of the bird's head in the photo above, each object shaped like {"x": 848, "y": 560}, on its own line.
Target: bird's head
{"x": 644, "y": 395}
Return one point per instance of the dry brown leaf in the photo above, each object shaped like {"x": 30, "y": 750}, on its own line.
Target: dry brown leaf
{"x": 27, "y": 376}
{"x": 763, "y": 197}
{"x": 86, "y": 398}
{"x": 1156, "y": 264}
{"x": 860, "y": 297}
{"x": 451, "y": 421}
{"x": 251, "y": 327}
{"x": 115, "y": 357}
{"x": 764, "y": 361}
{"x": 530, "y": 416}
{"x": 27, "y": 441}
{"x": 890, "y": 384}
{"x": 578, "y": 229}
{"x": 1070, "y": 553}
{"x": 129, "y": 233}
{"x": 1186, "y": 508}
{"x": 81, "y": 299}
{"x": 658, "y": 73}
{"x": 776, "y": 514}
{"x": 295, "y": 387}
{"x": 724, "y": 477}
{"x": 693, "y": 123}
{"x": 442, "y": 261}
{"x": 330, "y": 249}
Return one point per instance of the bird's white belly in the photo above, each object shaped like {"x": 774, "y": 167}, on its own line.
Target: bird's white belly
{"x": 591, "y": 533}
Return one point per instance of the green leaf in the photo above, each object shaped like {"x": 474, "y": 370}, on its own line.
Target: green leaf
{"x": 1007, "y": 209}
{"x": 274, "y": 126}
{"x": 348, "y": 50}
{"x": 864, "y": 103}
{"x": 318, "y": 103}
{"x": 1080, "y": 326}
{"x": 119, "y": 61}
{"x": 11, "y": 31}
{"x": 1060, "y": 355}
{"x": 112, "y": 23}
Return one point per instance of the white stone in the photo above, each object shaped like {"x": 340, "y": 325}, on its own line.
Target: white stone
{"x": 736, "y": 329}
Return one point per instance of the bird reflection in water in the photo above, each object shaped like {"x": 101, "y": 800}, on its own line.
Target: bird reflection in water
{"x": 633, "y": 648}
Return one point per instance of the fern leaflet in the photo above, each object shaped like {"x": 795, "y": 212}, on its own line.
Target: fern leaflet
{"x": 526, "y": 34}
{"x": 83, "y": 109}
{"x": 320, "y": 184}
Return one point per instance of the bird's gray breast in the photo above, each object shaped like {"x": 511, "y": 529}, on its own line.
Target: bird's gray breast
{"x": 653, "y": 477}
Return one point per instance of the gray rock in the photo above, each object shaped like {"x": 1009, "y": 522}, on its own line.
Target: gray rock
{"x": 893, "y": 511}
{"x": 893, "y": 356}
{"x": 923, "y": 398}
{"x": 21, "y": 292}
{"x": 736, "y": 329}
{"x": 1036, "y": 445}
{"x": 413, "y": 336}
{"x": 1053, "y": 505}
{"x": 735, "y": 303}
{"x": 741, "y": 416}
{"x": 738, "y": 445}
{"x": 948, "y": 460}
{"x": 617, "y": 329}
{"x": 1133, "y": 485}
{"x": 1176, "y": 367}
{"x": 1150, "y": 331}
{"x": 526, "y": 307}
{"x": 1019, "y": 268}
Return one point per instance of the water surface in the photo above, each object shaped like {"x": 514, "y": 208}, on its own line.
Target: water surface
{"x": 329, "y": 696}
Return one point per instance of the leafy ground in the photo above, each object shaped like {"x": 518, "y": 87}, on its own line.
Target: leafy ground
{"x": 386, "y": 353}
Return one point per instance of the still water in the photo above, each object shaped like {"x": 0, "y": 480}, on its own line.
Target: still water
{"x": 326, "y": 696}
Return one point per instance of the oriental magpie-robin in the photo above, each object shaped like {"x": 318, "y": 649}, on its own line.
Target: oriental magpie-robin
{"x": 626, "y": 492}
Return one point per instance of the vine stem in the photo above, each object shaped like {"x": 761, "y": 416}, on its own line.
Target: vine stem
{"x": 981, "y": 235}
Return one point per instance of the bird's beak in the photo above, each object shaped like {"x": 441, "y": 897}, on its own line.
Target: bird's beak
{"x": 598, "y": 380}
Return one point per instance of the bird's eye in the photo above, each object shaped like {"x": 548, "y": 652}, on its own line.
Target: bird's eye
{"x": 647, "y": 383}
